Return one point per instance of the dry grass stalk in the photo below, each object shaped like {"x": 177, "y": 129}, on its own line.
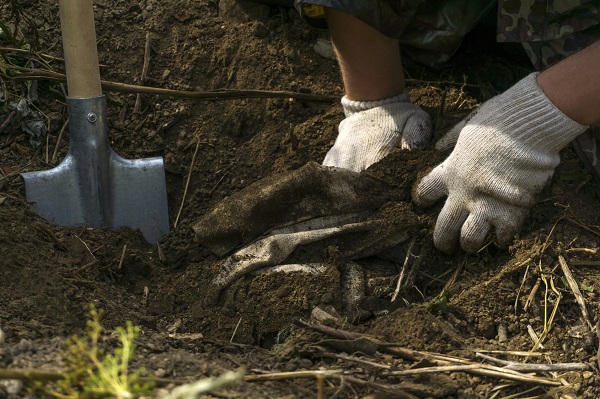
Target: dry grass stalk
{"x": 535, "y": 367}
{"x": 493, "y": 359}
{"x": 525, "y": 275}
{"x": 432, "y": 370}
{"x": 330, "y": 374}
{"x": 534, "y": 337}
{"x": 122, "y": 258}
{"x": 438, "y": 359}
{"x": 187, "y": 183}
{"x": 27, "y": 374}
{"x": 403, "y": 270}
{"x": 58, "y": 140}
{"x": 137, "y": 108}
{"x": 454, "y": 276}
{"x": 354, "y": 359}
{"x": 584, "y": 226}
{"x": 514, "y": 353}
{"x": 531, "y": 296}
{"x": 591, "y": 251}
{"x": 585, "y": 262}
{"x": 161, "y": 252}
{"x": 235, "y": 329}
{"x": 576, "y": 291}
{"x": 548, "y": 320}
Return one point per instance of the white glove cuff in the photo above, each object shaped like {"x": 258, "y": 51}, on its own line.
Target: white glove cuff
{"x": 535, "y": 118}
{"x": 352, "y": 106}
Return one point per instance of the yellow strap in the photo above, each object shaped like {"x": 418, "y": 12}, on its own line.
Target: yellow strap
{"x": 314, "y": 11}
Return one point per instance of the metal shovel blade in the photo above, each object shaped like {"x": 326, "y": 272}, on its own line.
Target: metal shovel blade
{"x": 96, "y": 187}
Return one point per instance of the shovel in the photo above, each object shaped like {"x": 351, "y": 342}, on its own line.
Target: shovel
{"x": 93, "y": 185}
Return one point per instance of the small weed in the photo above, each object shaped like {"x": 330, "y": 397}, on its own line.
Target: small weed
{"x": 92, "y": 373}
{"x": 23, "y": 24}
{"x": 439, "y": 304}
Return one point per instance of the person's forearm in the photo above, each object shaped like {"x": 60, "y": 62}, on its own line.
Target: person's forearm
{"x": 370, "y": 61}
{"x": 573, "y": 85}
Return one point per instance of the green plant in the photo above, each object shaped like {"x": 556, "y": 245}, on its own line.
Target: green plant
{"x": 23, "y": 23}
{"x": 439, "y": 304}
{"x": 92, "y": 373}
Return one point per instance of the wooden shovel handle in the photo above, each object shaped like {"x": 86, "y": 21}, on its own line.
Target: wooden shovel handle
{"x": 81, "y": 53}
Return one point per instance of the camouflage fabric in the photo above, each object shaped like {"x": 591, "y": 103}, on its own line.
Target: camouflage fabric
{"x": 429, "y": 31}
{"x": 587, "y": 146}
{"x": 549, "y": 30}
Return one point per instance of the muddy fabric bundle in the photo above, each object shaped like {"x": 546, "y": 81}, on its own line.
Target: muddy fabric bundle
{"x": 310, "y": 192}
{"x": 300, "y": 220}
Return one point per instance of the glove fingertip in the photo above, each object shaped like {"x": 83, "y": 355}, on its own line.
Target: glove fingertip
{"x": 448, "y": 226}
{"x": 430, "y": 188}
{"x": 474, "y": 233}
{"x": 509, "y": 228}
{"x": 417, "y": 132}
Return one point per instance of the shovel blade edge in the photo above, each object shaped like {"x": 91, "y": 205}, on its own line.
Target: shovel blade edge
{"x": 139, "y": 196}
{"x": 60, "y": 196}
{"x": 136, "y": 196}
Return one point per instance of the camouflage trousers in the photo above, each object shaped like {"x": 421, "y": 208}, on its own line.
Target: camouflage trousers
{"x": 430, "y": 32}
{"x": 549, "y": 30}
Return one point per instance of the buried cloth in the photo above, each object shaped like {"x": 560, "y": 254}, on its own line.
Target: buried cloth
{"x": 305, "y": 221}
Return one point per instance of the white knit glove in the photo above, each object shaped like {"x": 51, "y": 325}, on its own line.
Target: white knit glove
{"x": 372, "y": 129}
{"x": 506, "y": 152}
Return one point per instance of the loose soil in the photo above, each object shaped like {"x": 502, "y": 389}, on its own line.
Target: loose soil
{"x": 455, "y": 305}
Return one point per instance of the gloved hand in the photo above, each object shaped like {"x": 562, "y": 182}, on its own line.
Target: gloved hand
{"x": 506, "y": 152}
{"x": 372, "y": 129}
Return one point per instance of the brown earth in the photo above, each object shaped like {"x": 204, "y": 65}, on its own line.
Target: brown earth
{"x": 454, "y": 306}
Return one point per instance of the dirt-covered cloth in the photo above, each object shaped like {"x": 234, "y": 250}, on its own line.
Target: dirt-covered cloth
{"x": 306, "y": 221}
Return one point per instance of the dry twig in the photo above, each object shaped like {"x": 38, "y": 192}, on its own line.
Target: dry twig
{"x": 514, "y": 353}
{"x": 591, "y": 251}
{"x": 138, "y": 99}
{"x": 39, "y": 74}
{"x": 337, "y": 374}
{"x": 161, "y": 252}
{"x": 235, "y": 329}
{"x": 60, "y": 134}
{"x": 516, "y": 305}
{"x": 531, "y": 296}
{"x": 576, "y": 291}
{"x": 404, "y": 268}
{"x": 122, "y": 258}
{"x": 534, "y": 337}
{"x": 187, "y": 183}
{"x": 548, "y": 320}
{"x": 438, "y": 359}
{"x": 530, "y": 367}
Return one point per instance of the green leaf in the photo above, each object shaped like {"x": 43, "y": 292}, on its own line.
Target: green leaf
{"x": 6, "y": 31}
